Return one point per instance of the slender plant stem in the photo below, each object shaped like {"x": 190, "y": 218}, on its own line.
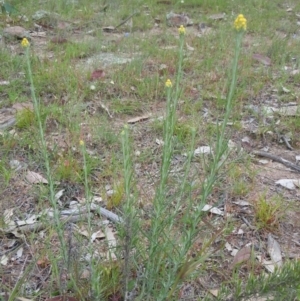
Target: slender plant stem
{"x": 36, "y": 106}
{"x": 221, "y": 146}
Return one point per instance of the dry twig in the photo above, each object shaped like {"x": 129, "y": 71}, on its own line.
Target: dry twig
{"x": 277, "y": 159}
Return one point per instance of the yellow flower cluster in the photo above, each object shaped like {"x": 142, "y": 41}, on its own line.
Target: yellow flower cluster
{"x": 240, "y": 22}
{"x": 81, "y": 142}
{"x": 168, "y": 83}
{"x": 181, "y": 29}
{"x": 25, "y": 43}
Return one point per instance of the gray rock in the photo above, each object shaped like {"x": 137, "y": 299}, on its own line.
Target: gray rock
{"x": 45, "y": 18}
{"x": 7, "y": 118}
{"x": 107, "y": 59}
{"x": 217, "y": 16}
{"x": 175, "y": 20}
{"x": 40, "y": 14}
{"x": 16, "y": 32}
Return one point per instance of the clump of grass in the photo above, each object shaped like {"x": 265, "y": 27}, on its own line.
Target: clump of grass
{"x": 268, "y": 212}
{"x": 5, "y": 172}
{"x": 115, "y": 200}
{"x": 68, "y": 168}
{"x": 110, "y": 274}
{"x": 25, "y": 118}
{"x": 8, "y": 141}
{"x": 182, "y": 131}
{"x": 241, "y": 177}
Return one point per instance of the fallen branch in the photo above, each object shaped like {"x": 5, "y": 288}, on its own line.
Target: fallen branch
{"x": 93, "y": 207}
{"x": 72, "y": 215}
{"x": 42, "y": 225}
{"x": 111, "y": 28}
{"x": 285, "y": 140}
{"x": 277, "y": 159}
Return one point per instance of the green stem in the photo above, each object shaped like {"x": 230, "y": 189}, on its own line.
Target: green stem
{"x": 232, "y": 86}
{"x": 221, "y": 146}
{"x": 36, "y": 106}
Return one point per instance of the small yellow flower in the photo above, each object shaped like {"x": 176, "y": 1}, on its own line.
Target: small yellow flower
{"x": 240, "y": 22}
{"x": 25, "y": 43}
{"x": 181, "y": 30}
{"x": 168, "y": 83}
{"x": 81, "y": 142}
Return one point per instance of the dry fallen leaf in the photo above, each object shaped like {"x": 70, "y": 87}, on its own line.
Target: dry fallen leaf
{"x": 176, "y": 20}
{"x": 238, "y": 231}
{"x": 24, "y": 299}
{"x": 212, "y": 209}
{"x": 228, "y": 247}
{"x": 217, "y": 16}
{"x": 190, "y": 48}
{"x": 288, "y": 183}
{"x": 159, "y": 141}
{"x": 35, "y": 178}
{"x": 59, "y": 194}
{"x": 62, "y": 298}
{"x": 4, "y": 83}
{"x": 256, "y": 298}
{"x": 202, "y": 150}
{"x": 268, "y": 264}
{"x": 29, "y": 221}
{"x": 40, "y": 34}
{"x": 97, "y": 74}
{"x": 285, "y": 90}
{"x": 8, "y": 213}
{"x": 262, "y": 59}
{"x": 83, "y": 231}
{"x": 234, "y": 252}
{"x": 112, "y": 243}
{"x": 295, "y": 72}
{"x": 274, "y": 250}
{"x": 99, "y": 234}
{"x": 97, "y": 199}
{"x": 7, "y": 118}
{"x": 4, "y": 260}
{"x": 263, "y": 161}
{"x": 241, "y": 203}
{"x": 138, "y": 119}
{"x": 242, "y": 255}
{"x": 214, "y": 292}
{"x": 17, "y": 234}
{"x": 20, "y": 253}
